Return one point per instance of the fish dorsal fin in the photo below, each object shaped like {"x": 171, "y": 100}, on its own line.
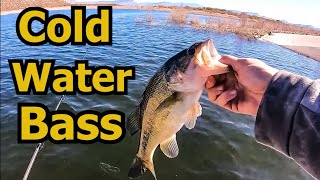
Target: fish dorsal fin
{"x": 134, "y": 121}
{"x": 194, "y": 112}
{"x": 170, "y": 147}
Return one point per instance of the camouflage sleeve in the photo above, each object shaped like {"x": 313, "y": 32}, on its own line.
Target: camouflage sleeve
{"x": 288, "y": 119}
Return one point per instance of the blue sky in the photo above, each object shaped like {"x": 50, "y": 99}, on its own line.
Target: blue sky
{"x": 294, "y": 11}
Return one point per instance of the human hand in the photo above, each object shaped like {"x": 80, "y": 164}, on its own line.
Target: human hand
{"x": 242, "y": 89}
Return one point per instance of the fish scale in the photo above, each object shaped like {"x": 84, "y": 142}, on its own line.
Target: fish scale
{"x": 171, "y": 100}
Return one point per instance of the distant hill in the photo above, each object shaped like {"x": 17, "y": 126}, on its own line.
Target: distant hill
{"x": 307, "y": 26}
{"x": 124, "y": 1}
{"x": 174, "y": 4}
{"x": 129, "y": 2}
{"x": 265, "y": 17}
{"x": 251, "y": 14}
{"x": 132, "y": 2}
{"x": 195, "y": 5}
{"x": 283, "y": 21}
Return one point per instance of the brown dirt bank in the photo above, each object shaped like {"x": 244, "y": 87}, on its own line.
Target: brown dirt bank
{"x": 304, "y": 44}
{"x": 312, "y": 52}
{"x": 11, "y": 5}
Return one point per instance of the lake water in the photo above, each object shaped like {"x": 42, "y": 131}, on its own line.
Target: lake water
{"x": 221, "y": 146}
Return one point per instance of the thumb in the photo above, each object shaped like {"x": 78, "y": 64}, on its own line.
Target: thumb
{"x": 230, "y": 60}
{"x": 210, "y": 82}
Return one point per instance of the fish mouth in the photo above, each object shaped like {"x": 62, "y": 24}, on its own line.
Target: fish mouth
{"x": 207, "y": 56}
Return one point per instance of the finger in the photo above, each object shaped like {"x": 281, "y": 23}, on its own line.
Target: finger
{"x": 210, "y": 82}
{"x": 214, "y": 92}
{"x": 225, "y": 97}
{"x": 234, "y": 105}
{"x": 230, "y": 60}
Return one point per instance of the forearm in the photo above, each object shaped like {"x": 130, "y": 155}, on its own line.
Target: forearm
{"x": 288, "y": 119}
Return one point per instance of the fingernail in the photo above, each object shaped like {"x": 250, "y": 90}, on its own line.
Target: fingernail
{"x": 220, "y": 88}
{"x": 209, "y": 83}
{"x": 233, "y": 92}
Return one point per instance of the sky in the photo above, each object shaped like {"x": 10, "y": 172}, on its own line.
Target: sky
{"x": 305, "y": 12}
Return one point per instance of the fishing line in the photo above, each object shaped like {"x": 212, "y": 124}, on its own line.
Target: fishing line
{"x": 41, "y": 145}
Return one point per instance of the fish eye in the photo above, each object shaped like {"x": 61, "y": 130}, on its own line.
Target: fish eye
{"x": 191, "y": 51}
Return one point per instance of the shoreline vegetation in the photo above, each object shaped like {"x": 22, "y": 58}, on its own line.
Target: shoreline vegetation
{"x": 242, "y": 24}
{"x": 217, "y": 20}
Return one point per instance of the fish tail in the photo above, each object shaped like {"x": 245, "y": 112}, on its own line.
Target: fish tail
{"x": 139, "y": 167}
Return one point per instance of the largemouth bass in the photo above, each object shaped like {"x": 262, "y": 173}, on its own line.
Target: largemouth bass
{"x": 171, "y": 100}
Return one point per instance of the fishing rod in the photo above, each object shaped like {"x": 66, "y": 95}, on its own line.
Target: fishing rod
{"x": 41, "y": 145}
